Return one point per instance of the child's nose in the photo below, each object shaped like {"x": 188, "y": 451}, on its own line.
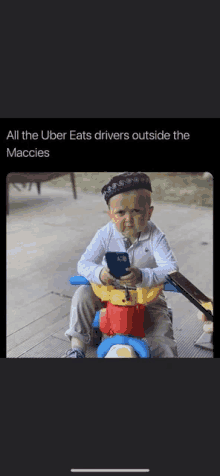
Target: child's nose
{"x": 128, "y": 218}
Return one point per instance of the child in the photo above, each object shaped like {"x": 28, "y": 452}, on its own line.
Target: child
{"x": 128, "y": 196}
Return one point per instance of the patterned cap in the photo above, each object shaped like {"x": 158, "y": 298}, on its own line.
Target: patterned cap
{"x": 124, "y": 182}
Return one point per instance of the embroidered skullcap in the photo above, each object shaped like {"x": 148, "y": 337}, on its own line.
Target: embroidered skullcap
{"x": 125, "y": 182}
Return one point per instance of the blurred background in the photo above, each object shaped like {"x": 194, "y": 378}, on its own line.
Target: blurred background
{"x": 184, "y": 187}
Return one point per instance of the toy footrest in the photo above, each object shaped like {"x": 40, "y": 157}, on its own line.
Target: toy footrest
{"x": 138, "y": 345}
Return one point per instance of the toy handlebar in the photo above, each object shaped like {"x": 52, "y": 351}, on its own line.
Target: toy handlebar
{"x": 176, "y": 283}
{"x": 79, "y": 280}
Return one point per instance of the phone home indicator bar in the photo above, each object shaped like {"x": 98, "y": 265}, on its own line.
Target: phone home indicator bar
{"x": 110, "y": 470}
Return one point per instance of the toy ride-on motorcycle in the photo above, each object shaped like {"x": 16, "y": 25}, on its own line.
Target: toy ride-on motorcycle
{"x": 121, "y": 320}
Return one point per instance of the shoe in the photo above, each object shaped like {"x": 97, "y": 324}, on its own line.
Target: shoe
{"x": 75, "y": 354}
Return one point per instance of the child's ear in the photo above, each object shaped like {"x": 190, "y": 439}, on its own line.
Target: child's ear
{"x": 109, "y": 213}
{"x": 151, "y": 209}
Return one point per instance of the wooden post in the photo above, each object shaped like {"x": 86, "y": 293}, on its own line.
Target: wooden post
{"x": 38, "y": 187}
{"x": 73, "y": 184}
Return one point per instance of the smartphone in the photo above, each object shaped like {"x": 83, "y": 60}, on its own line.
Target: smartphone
{"x": 117, "y": 263}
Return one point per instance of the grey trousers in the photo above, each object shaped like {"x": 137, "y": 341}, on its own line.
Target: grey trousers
{"x": 157, "y": 324}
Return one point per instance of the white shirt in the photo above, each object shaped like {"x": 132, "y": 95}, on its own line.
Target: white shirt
{"x": 150, "y": 253}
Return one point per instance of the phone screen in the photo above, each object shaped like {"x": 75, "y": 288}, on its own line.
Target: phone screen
{"x": 117, "y": 263}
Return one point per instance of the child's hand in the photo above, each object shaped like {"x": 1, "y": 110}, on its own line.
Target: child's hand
{"x": 133, "y": 278}
{"x": 105, "y": 277}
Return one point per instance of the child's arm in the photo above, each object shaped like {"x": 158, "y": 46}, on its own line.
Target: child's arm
{"x": 89, "y": 264}
{"x": 166, "y": 263}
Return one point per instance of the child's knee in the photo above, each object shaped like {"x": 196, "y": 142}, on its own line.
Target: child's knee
{"x": 85, "y": 302}
{"x": 83, "y": 293}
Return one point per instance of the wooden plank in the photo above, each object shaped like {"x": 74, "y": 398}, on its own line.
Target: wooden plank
{"x": 19, "y": 318}
{"x": 38, "y": 340}
{"x": 192, "y": 293}
{"x": 186, "y": 334}
{"x": 36, "y": 283}
{"x": 18, "y": 296}
{"x": 47, "y": 325}
{"x": 61, "y": 333}
{"x": 49, "y": 348}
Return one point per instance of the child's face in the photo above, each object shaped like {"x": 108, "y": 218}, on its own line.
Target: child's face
{"x": 130, "y": 212}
